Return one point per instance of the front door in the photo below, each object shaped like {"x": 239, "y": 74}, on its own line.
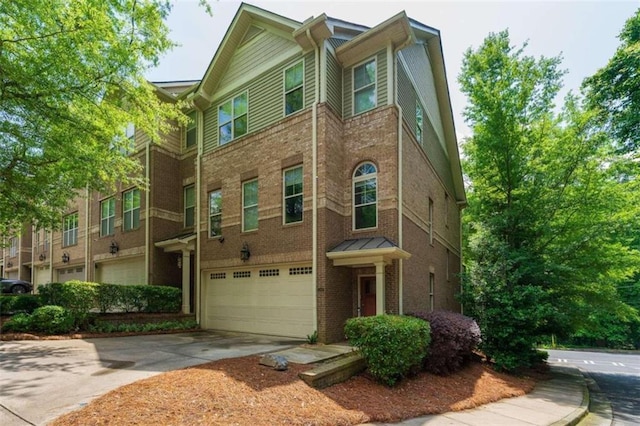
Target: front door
{"x": 367, "y": 296}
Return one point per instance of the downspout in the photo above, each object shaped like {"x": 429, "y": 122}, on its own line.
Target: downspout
{"x": 147, "y": 221}
{"x": 314, "y": 183}
{"x": 394, "y": 61}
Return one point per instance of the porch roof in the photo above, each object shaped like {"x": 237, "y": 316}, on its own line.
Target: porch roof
{"x": 366, "y": 252}
{"x": 178, "y": 243}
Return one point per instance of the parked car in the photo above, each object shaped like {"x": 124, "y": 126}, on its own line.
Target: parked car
{"x": 15, "y": 286}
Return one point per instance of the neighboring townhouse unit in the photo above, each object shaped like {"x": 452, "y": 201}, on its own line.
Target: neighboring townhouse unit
{"x": 319, "y": 180}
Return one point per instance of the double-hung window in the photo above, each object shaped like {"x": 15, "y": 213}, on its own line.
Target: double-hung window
{"x": 364, "y": 87}
{"x": 293, "y": 88}
{"x": 430, "y": 218}
{"x": 107, "y": 216}
{"x": 191, "y": 132}
{"x": 232, "y": 119}
{"x": 293, "y": 206}
{"x": 131, "y": 209}
{"x": 70, "y": 230}
{"x": 215, "y": 213}
{"x": 13, "y": 247}
{"x": 250, "y": 205}
{"x": 365, "y": 197}
{"x": 189, "y": 205}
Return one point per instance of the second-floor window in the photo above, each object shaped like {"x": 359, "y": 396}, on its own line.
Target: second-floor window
{"x": 131, "y": 209}
{"x": 215, "y": 213}
{"x": 189, "y": 205}
{"x": 70, "y": 230}
{"x": 293, "y": 88}
{"x": 232, "y": 119}
{"x": 365, "y": 197}
{"x": 364, "y": 87}
{"x": 419, "y": 122}
{"x": 293, "y": 206}
{"x": 13, "y": 247}
{"x": 107, "y": 216}
{"x": 430, "y": 218}
{"x": 250, "y": 205}
{"x": 191, "y": 133}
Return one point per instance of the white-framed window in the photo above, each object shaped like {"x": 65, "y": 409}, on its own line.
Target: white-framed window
{"x": 294, "y": 88}
{"x": 419, "y": 121}
{"x": 131, "y": 209}
{"x": 430, "y": 219}
{"x": 364, "y": 87}
{"x": 189, "y": 205}
{"x": 232, "y": 118}
{"x": 46, "y": 240}
{"x": 130, "y": 134}
{"x": 215, "y": 213}
{"x": 365, "y": 196}
{"x": 70, "y": 230}
{"x": 293, "y": 195}
{"x": 190, "y": 137}
{"x": 13, "y": 247}
{"x": 250, "y": 205}
{"x": 107, "y": 216}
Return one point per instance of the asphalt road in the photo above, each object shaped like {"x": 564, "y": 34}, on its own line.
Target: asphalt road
{"x": 617, "y": 375}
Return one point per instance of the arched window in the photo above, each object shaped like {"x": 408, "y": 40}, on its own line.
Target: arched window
{"x": 365, "y": 196}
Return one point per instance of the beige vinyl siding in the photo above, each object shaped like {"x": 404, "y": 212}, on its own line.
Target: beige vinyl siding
{"x": 381, "y": 84}
{"x": 336, "y": 42}
{"x": 438, "y": 156}
{"x": 260, "y": 50}
{"x": 334, "y": 84}
{"x": 416, "y": 58}
{"x": 265, "y": 97}
{"x": 407, "y": 99}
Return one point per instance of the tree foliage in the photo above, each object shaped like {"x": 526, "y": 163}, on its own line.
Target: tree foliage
{"x": 613, "y": 90}
{"x": 71, "y": 80}
{"x": 548, "y": 222}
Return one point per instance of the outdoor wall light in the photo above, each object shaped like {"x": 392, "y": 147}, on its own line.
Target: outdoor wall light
{"x": 65, "y": 257}
{"x": 113, "y": 247}
{"x": 9, "y": 264}
{"x": 42, "y": 257}
{"x": 244, "y": 252}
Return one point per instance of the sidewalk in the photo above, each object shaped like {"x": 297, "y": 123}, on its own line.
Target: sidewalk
{"x": 563, "y": 400}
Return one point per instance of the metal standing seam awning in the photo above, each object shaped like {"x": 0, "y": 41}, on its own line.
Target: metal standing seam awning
{"x": 376, "y": 251}
{"x": 185, "y": 244}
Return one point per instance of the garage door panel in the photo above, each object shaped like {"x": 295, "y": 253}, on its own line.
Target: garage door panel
{"x": 266, "y": 303}
{"x": 125, "y": 271}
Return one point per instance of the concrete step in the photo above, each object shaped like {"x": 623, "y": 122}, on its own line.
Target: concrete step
{"x": 334, "y": 371}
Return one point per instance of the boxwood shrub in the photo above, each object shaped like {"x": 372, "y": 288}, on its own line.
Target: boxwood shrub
{"x": 52, "y": 320}
{"x": 393, "y": 346}
{"x": 453, "y": 338}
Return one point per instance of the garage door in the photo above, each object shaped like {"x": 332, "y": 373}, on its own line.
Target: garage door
{"x": 41, "y": 276}
{"x": 68, "y": 274}
{"x": 269, "y": 300}
{"x": 124, "y": 271}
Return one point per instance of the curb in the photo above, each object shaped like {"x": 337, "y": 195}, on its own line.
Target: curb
{"x": 582, "y": 411}
{"x": 600, "y": 411}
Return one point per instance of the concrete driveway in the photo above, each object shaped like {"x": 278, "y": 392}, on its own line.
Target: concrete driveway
{"x": 41, "y": 380}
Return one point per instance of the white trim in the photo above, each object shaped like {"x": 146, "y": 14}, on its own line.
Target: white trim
{"x": 355, "y": 180}
{"x": 209, "y": 214}
{"x": 284, "y": 194}
{"x": 233, "y": 117}
{"x": 284, "y": 87}
{"x": 373, "y": 59}
{"x": 244, "y": 207}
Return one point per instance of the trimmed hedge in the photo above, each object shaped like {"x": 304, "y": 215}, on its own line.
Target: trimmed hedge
{"x": 393, "y": 346}
{"x": 52, "y": 320}
{"x": 21, "y": 303}
{"x": 453, "y": 339}
{"x": 83, "y": 297}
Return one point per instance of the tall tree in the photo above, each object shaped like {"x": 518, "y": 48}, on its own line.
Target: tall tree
{"x": 540, "y": 196}
{"x": 614, "y": 91}
{"x": 71, "y": 81}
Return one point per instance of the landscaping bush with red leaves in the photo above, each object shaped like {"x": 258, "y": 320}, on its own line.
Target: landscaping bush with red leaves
{"x": 453, "y": 339}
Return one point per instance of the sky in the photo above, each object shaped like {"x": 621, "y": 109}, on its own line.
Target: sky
{"x": 583, "y": 33}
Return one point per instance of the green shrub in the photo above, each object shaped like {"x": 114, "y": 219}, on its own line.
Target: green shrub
{"x": 19, "y": 303}
{"x": 133, "y": 298}
{"x": 392, "y": 345}
{"x": 162, "y": 299}
{"x": 52, "y": 320}
{"x": 18, "y": 323}
{"x": 453, "y": 339}
{"x": 107, "y": 327}
{"x": 109, "y": 297}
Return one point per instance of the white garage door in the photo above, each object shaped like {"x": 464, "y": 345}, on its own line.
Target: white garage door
{"x": 125, "y": 271}
{"x": 275, "y": 300}
{"x": 41, "y": 276}
{"x": 68, "y": 274}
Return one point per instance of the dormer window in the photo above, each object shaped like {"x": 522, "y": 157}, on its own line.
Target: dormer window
{"x": 232, "y": 119}
{"x": 364, "y": 87}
